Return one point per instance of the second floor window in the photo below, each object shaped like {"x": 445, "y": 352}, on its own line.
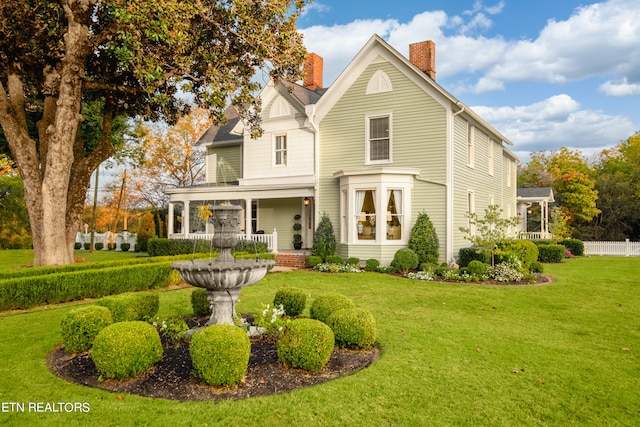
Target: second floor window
{"x": 280, "y": 150}
{"x": 379, "y": 139}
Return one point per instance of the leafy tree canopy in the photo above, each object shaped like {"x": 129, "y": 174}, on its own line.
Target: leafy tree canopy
{"x": 129, "y": 58}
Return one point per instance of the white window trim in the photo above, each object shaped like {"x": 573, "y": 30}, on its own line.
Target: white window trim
{"x": 509, "y": 173}
{"x": 274, "y": 150}
{"x": 367, "y": 150}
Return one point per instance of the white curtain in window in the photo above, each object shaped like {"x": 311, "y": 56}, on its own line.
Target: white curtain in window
{"x": 359, "y": 201}
{"x": 397, "y": 195}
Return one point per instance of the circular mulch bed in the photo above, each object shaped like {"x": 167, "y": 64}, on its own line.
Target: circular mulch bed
{"x": 173, "y": 378}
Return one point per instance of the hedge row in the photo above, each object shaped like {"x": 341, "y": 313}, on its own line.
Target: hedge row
{"x": 168, "y": 247}
{"x": 41, "y": 271}
{"x": 26, "y": 292}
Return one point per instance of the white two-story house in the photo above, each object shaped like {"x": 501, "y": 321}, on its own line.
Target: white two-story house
{"x": 382, "y": 144}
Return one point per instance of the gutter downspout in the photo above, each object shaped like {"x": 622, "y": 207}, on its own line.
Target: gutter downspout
{"x": 450, "y": 183}
{"x": 310, "y": 110}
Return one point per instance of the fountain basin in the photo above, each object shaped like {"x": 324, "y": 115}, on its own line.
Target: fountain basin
{"x": 222, "y": 281}
{"x": 222, "y": 275}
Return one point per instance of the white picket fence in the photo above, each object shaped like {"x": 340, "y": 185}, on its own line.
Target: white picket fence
{"x": 626, "y": 248}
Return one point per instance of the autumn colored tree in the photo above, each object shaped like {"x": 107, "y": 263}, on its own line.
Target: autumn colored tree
{"x": 570, "y": 176}
{"x": 132, "y": 58}
{"x": 618, "y": 185}
{"x": 168, "y": 158}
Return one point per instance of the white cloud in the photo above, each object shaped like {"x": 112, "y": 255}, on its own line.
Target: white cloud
{"x": 621, "y": 88}
{"x": 557, "y": 121}
{"x": 597, "y": 40}
{"x": 315, "y": 7}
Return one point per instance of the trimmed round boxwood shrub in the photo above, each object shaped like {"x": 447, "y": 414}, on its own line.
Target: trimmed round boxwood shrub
{"x": 526, "y": 251}
{"x": 466, "y": 255}
{"x": 353, "y": 327}
{"x": 536, "y": 267}
{"x": 99, "y": 246}
{"x": 551, "y": 253}
{"x": 80, "y": 327}
{"x": 324, "y": 305}
{"x": 575, "y": 246}
{"x": 353, "y": 261}
{"x": 125, "y": 247}
{"x": 200, "y": 303}
{"x": 371, "y": 264}
{"x": 131, "y": 306}
{"x": 220, "y": 354}
{"x": 312, "y": 261}
{"x": 111, "y": 246}
{"x": 334, "y": 259}
{"x": 125, "y": 349}
{"x": 87, "y": 246}
{"x": 77, "y": 245}
{"x": 404, "y": 260}
{"x": 292, "y": 299}
{"x": 476, "y": 267}
{"x": 306, "y": 344}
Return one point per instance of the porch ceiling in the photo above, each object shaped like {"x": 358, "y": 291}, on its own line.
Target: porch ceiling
{"x": 235, "y": 192}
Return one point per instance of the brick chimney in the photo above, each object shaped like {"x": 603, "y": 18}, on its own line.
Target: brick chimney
{"x": 423, "y": 56}
{"x": 313, "y": 72}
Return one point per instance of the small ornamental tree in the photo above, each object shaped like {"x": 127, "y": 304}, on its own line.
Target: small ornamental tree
{"x": 559, "y": 228}
{"x": 146, "y": 231}
{"x": 424, "y": 240}
{"x": 489, "y": 232}
{"x": 324, "y": 240}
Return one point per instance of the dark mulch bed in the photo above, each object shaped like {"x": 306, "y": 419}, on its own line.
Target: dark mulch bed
{"x": 172, "y": 377}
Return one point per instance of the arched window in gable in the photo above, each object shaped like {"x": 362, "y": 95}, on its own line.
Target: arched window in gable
{"x": 279, "y": 108}
{"x": 379, "y": 83}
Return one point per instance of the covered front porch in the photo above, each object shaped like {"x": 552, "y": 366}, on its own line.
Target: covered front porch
{"x": 530, "y": 214}
{"x": 267, "y": 217}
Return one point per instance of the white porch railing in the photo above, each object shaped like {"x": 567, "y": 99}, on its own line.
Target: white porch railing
{"x": 626, "y": 248}
{"x": 534, "y": 235}
{"x": 271, "y": 240}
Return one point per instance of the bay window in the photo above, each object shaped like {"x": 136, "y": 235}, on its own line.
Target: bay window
{"x": 376, "y": 205}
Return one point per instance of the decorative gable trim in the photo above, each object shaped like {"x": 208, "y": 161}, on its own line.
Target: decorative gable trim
{"x": 279, "y": 108}
{"x": 379, "y": 83}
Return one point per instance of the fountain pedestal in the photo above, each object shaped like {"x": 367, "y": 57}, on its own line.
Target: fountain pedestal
{"x": 224, "y": 277}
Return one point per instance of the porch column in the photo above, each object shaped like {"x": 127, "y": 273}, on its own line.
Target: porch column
{"x": 247, "y": 218}
{"x": 185, "y": 219}
{"x": 544, "y": 219}
{"x": 170, "y": 220}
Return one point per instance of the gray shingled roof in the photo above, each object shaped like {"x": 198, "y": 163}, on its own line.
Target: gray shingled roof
{"x": 536, "y": 193}
{"x": 223, "y": 135}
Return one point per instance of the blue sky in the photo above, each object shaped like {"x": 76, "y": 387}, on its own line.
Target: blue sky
{"x": 547, "y": 74}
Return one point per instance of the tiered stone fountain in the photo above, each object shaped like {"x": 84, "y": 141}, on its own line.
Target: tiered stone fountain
{"x": 224, "y": 277}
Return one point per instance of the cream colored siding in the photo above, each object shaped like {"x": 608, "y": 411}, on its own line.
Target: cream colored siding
{"x": 259, "y": 153}
{"x": 223, "y": 164}
{"x": 418, "y": 141}
{"x": 277, "y": 214}
{"x": 486, "y": 188}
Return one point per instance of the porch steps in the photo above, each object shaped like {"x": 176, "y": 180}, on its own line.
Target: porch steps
{"x": 293, "y": 260}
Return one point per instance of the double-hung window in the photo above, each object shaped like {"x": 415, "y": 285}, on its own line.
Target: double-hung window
{"x": 280, "y": 150}
{"x": 378, "y": 149}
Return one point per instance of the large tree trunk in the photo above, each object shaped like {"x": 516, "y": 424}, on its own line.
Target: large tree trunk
{"x": 47, "y": 174}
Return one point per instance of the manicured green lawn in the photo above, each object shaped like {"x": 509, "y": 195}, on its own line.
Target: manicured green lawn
{"x": 566, "y": 353}
{"x": 16, "y": 258}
